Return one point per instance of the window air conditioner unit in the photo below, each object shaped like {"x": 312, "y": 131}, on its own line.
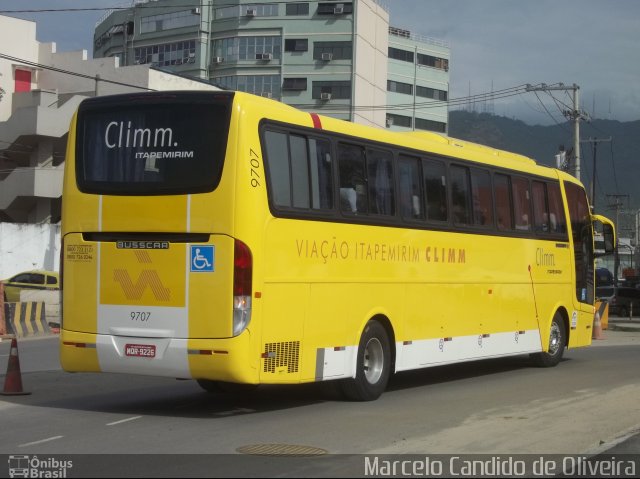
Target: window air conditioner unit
{"x": 338, "y": 10}
{"x": 251, "y": 12}
{"x": 195, "y": 11}
{"x": 264, "y": 56}
{"x": 267, "y": 94}
{"x": 327, "y": 57}
{"x": 218, "y": 59}
{"x": 325, "y": 96}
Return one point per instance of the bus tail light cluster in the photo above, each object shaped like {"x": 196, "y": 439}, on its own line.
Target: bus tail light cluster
{"x": 242, "y": 275}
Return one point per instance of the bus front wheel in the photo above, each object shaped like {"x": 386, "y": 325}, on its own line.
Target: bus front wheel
{"x": 557, "y": 342}
{"x": 373, "y": 365}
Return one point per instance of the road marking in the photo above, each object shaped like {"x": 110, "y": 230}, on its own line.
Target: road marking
{"x": 124, "y": 420}
{"x": 40, "y": 441}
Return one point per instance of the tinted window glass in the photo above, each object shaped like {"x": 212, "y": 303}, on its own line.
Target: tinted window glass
{"x": 410, "y": 194}
{"x": 278, "y": 158}
{"x": 521, "y": 203}
{"x": 435, "y": 187}
{"x": 540, "y": 212}
{"x": 503, "y": 202}
{"x": 353, "y": 179}
{"x": 381, "y": 190}
{"x": 460, "y": 195}
{"x": 299, "y": 171}
{"x": 557, "y": 219}
{"x": 482, "y": 197}
{"x": 131, "y": 145}
{"x": 581, "y": 231}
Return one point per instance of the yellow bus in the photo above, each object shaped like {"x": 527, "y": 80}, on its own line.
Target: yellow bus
{"x": 229, "y": 238}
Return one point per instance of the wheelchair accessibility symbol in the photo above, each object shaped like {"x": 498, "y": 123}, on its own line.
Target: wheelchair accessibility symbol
{"x": 202, "y": 258}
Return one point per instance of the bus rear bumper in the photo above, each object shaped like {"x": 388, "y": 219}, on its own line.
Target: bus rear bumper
{"x": 215, "y": 359}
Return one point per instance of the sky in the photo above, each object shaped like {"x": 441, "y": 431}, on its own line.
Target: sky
{"x": 495, "y": 45}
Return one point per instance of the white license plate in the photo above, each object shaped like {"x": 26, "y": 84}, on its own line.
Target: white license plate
{"x": 140, "y": 350}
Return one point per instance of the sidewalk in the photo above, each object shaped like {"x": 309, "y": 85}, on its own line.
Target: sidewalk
{"x": 617, "y": 323}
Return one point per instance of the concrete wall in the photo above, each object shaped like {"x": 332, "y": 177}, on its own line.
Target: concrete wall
{"x": 24, "y": 247}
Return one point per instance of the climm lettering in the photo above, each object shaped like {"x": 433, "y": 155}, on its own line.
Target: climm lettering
{"x": 544, "y": 259}
{"x": 119, "y": 135}
{"x": 435, "y": 254}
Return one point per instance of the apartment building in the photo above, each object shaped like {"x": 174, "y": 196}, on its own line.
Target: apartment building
{"x": 339, "y": 58}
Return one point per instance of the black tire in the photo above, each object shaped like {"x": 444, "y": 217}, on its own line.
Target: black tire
{"x": 373, "y": 365}
{"x": 221, "y": 387}
{"x": 557, "y": 343}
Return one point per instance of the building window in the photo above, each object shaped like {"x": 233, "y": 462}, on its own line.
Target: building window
{"x": 167, "y": 21}
{"x": 338, "y": 50}
{"x": 399, "y": 87}
{"x": 340, "y": 90}
{"x": 402, "y": 55}
{"x": 398, "y": 120}
{"x": 334, "y": 8}
{"x": 435, "y": 62}
{"x": 297, "y": 9}
{"x": 256, "y": 84}
{"x": 433, "y": 93}
{"x": 298, "y": 84}
{"x": 246, "y": 48}
{"x": 176, "y": 53}
{"x": 261, "y": 10}
{"x": 296, "y": 45}
{"x": 430, "y": 125}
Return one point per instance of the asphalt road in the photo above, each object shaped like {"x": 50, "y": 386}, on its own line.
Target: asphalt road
{"x": 588, "y": 404}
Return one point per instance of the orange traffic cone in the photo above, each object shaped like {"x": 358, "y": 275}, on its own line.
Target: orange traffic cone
{"x": 13, "y": 379}
{"x": 597, "y": 327}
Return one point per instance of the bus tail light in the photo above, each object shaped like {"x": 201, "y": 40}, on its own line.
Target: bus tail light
{"x": 242, "y": 276}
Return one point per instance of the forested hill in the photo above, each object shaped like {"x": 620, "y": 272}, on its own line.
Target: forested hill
{"x": 618, "y": 162}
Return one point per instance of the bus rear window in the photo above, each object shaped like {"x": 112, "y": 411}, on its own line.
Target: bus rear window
{"x": 151, "y": 145}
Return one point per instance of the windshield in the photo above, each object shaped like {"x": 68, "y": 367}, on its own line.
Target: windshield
{"x": 152, "y": 143}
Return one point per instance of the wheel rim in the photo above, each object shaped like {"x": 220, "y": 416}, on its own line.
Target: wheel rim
{"x": 555, "y": 339}
{"x": 373, "y": 360}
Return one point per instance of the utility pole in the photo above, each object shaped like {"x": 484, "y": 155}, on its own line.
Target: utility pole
{"x": 594, "y": 142}
{"x": 574, "y": 114}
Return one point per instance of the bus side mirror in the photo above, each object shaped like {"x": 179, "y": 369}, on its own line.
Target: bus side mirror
{"x": 605, "y": 242}
{"x": 609, "y": 238}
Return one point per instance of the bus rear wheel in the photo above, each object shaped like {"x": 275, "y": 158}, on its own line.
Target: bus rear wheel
{"x": 557, "y": 342}
{"x": 373, "y": 365}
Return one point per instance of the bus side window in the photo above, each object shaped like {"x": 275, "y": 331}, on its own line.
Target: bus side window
{"x": 353, "y": 179}
{"x": 381, "y": 183}
{"x": 540, "y": 211}
{"x": 557, "y": 219}
{"x": 320, "y": 167}
{"x": 482, "y": 197}
{"x": 504, "y": 207}
{"x": 410, "y": 194}
{"x": 435, "y": 187}
{"x": 460, "y": 195}
{"x": 521, "y": 203}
